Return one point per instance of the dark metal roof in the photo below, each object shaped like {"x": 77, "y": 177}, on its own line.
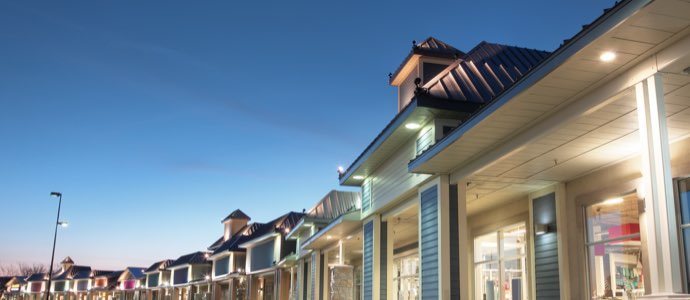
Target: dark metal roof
{"x": 430, "y": 47}
{"x": 4, "y": 280}
{"x": 37, "y": 277}
{"x": 99, "y": 273}
{"x": 20, "y": 279}
{"x": 86, "y": 274}
{"x": 71, "y": 272}
{"x": 237, "y": 214}
{"x": 159, "y": 265}
{"x": 191, "y": 259}
{"x": 484, "y": 73}
{"x": 234, "y": 242}
{"x": 334, "y": 204}
{"x": 137, "y": 272}
{"x": 217, "y": 243}
{"x": 496, "y": 102}
{"x": 475, "y": 78}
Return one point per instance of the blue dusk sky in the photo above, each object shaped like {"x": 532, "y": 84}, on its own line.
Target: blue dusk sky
{"x": 156, "y": 120}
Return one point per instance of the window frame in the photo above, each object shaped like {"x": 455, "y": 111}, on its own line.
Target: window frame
{"x": 501, "y": 259}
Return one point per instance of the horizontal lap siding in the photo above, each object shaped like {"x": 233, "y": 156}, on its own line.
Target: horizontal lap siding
{"x": 546, "y": 251}
{"x": 392, "y": 179}
{"x": 429, "y": 243}
{"x": 368, "y": 261}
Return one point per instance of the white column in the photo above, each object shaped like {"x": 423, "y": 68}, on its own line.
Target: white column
{"x": 444, "y": 237}
{"x": 466, "y": 269}
{"x": 659, "y": 219}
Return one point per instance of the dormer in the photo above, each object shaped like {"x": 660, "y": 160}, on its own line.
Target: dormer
{"x": 233, "y": 223}
{"x": 425, "y": 61}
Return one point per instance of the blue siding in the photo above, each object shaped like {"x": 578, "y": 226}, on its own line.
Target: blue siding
{"x": 429, "y": 244}
{"x": 366, "y": 194}
{"x": 546, "y": 250}
{"x": 368, "y": 262}
{"x": 425, "y": 139}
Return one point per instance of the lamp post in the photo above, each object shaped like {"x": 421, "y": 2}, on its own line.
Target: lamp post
{"x": 52, "y": 257}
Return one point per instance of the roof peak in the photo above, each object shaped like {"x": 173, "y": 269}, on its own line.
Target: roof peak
{"x": 236, "y": 215}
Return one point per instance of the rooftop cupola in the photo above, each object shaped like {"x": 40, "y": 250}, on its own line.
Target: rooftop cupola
{"x": 426, "y": 60}
{"x": 66, "y": 263}
{"x": 234, "y": 222}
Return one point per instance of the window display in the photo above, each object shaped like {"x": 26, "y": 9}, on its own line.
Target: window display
{"x": 407, "y": 277}
{"x": 499, "y": 259}
{"x": 614, "y": 249}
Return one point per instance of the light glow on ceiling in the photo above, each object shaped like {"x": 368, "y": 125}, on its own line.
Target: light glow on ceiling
{"x": 613, "y": 201}
{"x": 607, "y": 56}
{"x": 358, "y": 177}
{"x": 412, "y": 125}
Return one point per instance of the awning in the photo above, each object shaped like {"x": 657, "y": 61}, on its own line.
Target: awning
{"x": 340, "y": 228}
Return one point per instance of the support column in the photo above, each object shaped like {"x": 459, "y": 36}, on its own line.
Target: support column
{"x": 372, "y": 286}
{"x": 662, "y": 263}
{"x": 315, "y": 275}
{"x": 465, "y": 271}
{"x": 435, "y": 240}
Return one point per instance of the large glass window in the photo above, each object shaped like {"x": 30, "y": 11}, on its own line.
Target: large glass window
{"x": 684, "y": 199}
{"x": 499, "y": 263}
{"x": 614, "y": 249}
{"x": 407, "y": 276}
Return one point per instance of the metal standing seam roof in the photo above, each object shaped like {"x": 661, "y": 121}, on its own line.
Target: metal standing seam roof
{"x": 37, "y": 277}
{"x": 484, "y": 73}
{"x": 236, "y": 214}
{"x": 233, "y": 243}
{"x": 334, "y": 204}
{"x": 71, "y": 272}
{"x": 477, "y": 115}
{"x": 159, "y": 265}
{"x": 85, "y": 274}
{"x": 191, "y": 259}
{"x": 477, "y": 78}
{"x": 137, "y": 272}
{"x": 4, "y": 280}
{"x": 433, "y": 47}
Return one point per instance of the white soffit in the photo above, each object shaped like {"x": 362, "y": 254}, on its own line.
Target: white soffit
{"x": 637, "y": 38}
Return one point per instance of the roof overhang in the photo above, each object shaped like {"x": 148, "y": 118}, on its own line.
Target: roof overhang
{"x": 258, "y": 240}
{"x": 421, "y": 110}
{"x": 340, "y": 228}
{"x": 585, "y": 46}
{"x": 305, "y": 223}
{"x": 574, "y": 114}
{"x": 288, "y": 261}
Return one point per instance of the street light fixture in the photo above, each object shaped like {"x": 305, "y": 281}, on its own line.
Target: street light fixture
{"x": 52, "y": 257}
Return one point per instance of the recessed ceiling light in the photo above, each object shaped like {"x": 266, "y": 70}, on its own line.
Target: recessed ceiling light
{"x": 607, "y": 56}
{"x": 358, "y": 177}
{"x": 613, "y": 201}
{"x": 412, "y": 125}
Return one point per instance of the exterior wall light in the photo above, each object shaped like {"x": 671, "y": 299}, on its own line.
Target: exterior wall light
{"x": 607, "y": 56}
{"x": 540, "y": 229}
{"x": 358, "y": 177}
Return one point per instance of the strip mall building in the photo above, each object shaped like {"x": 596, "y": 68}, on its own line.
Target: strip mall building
{"x": 512, "y": 173}
{"x": 507, "y": 173}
